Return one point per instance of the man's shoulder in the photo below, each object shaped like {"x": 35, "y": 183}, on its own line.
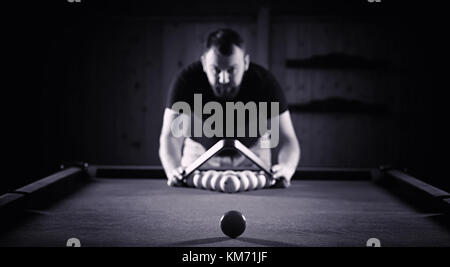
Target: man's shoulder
{"x": 188, "y": 81}
{"x": 258, "y": 73}
{"x": 258, "y": 69}
{"x": 267, "y": 86}
{"x": 261, "y": 75}
{"x": 195, "y": 68}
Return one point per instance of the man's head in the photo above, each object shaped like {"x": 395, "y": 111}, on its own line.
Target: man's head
{"x": 224, "y": 62}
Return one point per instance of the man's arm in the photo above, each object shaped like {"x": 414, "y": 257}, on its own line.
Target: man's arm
{"x": 170, "y": 148}
{"x": 289, "y": 149}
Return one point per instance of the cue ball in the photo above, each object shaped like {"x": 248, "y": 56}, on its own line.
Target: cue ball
{"x": 233, "y": 223}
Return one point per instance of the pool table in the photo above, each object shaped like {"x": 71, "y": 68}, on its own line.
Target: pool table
{"x": 133, "y": 206}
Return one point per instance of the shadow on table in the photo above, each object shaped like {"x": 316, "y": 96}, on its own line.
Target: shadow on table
{"x": 267, "y": 243}
{"x": 253, "y": 241}
{"x": 441, "y": 219}
{"x": 196, "y": 242}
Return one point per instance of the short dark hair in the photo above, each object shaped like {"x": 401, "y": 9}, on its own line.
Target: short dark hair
{"x": 223, "y": 40}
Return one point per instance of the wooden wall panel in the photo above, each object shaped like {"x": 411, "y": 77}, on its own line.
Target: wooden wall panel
{"x": 334, "y": 139}
{"x": 118, "y": 112}
{"x": 305, "y": 39}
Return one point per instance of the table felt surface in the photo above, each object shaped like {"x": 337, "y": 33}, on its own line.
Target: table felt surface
{"x": 146, "y": 212}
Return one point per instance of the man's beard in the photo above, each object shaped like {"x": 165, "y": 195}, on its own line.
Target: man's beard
{"x": 226, "y": 91}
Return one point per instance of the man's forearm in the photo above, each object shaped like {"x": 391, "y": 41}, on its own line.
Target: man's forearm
{"x": 170, "y": 154}
{"x": 289, "y": 153}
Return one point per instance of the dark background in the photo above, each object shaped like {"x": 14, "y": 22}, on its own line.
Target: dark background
{"x": 87, "y": 81}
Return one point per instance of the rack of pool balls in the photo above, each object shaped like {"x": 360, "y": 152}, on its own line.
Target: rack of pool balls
{"x": 229, "y": 181}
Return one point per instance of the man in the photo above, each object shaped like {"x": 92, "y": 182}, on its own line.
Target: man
{"x": 225, "y": 75}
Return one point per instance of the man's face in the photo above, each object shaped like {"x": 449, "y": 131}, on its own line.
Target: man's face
{"x": 225, "y": 72}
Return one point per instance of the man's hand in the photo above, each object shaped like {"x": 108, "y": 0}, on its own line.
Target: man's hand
{"x": 283, "y": 174}
{"x": 174, "y": 179}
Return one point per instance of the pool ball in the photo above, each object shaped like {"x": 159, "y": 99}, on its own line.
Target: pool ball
{"x": 233, "y": 223}
{"x": 196, "y": 179}
{"x": 252, "y": 179}
{"x": 205, "y": 179}
{"x": 261, "y": 180}
{"x": 215, "y": 181}
{"x": 245, "y": 182}
{"x": 229, "y": 183}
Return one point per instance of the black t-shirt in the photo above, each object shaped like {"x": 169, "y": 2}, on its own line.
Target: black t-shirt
{"x": 258, "y": 85}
